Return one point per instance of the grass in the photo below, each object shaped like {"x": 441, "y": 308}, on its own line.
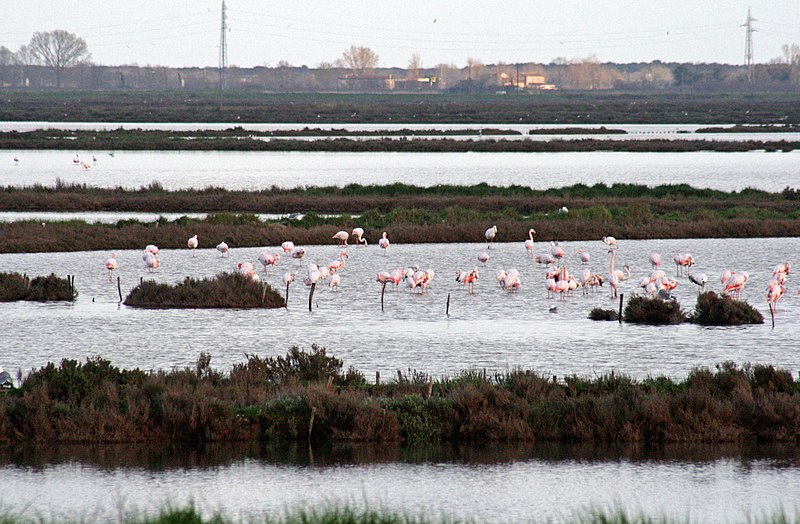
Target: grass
{"x": 14, "y": 287}
{"x": 227, "y": 290}
{"x": 308, "y": 396}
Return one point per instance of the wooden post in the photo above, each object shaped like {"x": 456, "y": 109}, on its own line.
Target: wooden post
{"x": 399, "y": 376}
{"x": 263, "y": 292}
{"x": 447, "y": 311}
{"x": 772, "y": 314}
{"x": 286, "y": 301}
{"x": 621, "y": 295}
{"x": 119, "y": 289}
{"x": 377, "y": 378}
{"x": 311, "y": 294}
{"x": 383, "y": 290}
{"x": 141, "y": 280}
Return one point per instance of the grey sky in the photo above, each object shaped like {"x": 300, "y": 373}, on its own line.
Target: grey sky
{"x": 186, "y": 33}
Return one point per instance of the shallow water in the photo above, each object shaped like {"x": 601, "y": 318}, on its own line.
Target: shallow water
{"x": 490, "y": 329}
{"x": 500, "y": 484}
{"x": 261, "y": 170}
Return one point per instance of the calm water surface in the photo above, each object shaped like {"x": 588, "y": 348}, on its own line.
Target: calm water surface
{"x": 491, "y": 329}
{"x": 261, "y": 170}
{"x": 503, "y": 484}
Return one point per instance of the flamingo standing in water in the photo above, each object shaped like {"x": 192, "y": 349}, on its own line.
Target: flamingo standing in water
{"x": 298, "y": 252}
{"x": 335, "y": 282}
{"x": 342, "y": 237}
{"x": 267, "y": 259}
{"x": 613, "y": 278}
{"x": 150, "y": 248}
{"x": 150, "y": 261}
{"x": 483, "y": 258}
{"x": 192, "y": 243}
{"x": 584, "y": 256}
{"x": 611, "y": 241}
{"x": 338, "y": 265}
{"x": 655, "y": 259}
{"x": 76, "y": 159}
{"x": 490, "y": 234}
{"x": 735, "y": 284}
{"x": 700, "y": 280}
{"x": 384, "y": 243}
{"x": 287, "y": 246}
{"x": 359, "y": 234}
{"x": 529, "y": 242}
{"x": 288, "y": 278}
{"x": 111, "y": 265}
{"x": 683, "y": 261}
{"x": 223, "y": 248}
{"x": 470, "y": 279}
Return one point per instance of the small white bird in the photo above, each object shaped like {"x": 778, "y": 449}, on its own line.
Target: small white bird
{"x": 490, "y": 234}
{"x": 192, "y": 243}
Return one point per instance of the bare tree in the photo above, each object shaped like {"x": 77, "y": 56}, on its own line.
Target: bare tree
{"x": 414, "y": 65}
{"x": 360, "y": 59}
{"x": 6, "y": 56}
{"x": 58, "y": 49}
{"x": 474, "y": 68}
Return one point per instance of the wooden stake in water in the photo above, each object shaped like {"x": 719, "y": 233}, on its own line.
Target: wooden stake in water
{"x": 447, "y": 311}
{"x": 383, "y": 291}
{"x": 620, "y": 307}
{"x": 311, "y": 294}
{"x": 377, "y": 378}
{"x": 119, "y": 289}
{"x": 286, "y": 301}
{"x": 772, "y": 314}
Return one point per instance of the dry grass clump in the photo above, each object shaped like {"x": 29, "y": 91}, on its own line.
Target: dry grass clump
{"x": 715, "y": 310}
{"x": 644, "y": 310}
{"x": 227, "y": 290}
{"x": 14, "y": 286}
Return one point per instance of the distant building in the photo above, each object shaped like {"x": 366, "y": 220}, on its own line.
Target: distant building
{"x": 525, "y": 82}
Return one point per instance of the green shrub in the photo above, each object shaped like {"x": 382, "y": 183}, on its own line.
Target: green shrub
{"x": 715, "y": 310}
{"x": 645, "y": 310}
{"x": 603, "y": 314}
{"x": 14, "y": 286}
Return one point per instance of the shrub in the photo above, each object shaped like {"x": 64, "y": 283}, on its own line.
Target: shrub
{"x": 603, "y": 314}
{"x": 227, "y": 290}
{"x": 715, "y": 310}
{"x": 643, "y": 310}
{"x": 14, "y": 286}
{"x": 300, "y": 366}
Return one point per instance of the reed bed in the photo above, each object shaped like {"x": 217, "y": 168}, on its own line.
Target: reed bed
{"x": 227, "y": 290}
{"x": 308, "y": 396}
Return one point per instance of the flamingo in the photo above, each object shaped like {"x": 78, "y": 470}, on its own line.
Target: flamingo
{"x": 359, "y": 234}
{"x": 16, "y": 160}
{"x": 550, "y": 286}
{"x": 512, "y": 281}
{"x": 490, "y": 234}
{"x": 86, "y": 166}
{"x": 287, "y": 246}
{"x": 529, "y": 242}
{"x": 384, "y": 243}
{"x": 584, "y": 256}
{"x": 613, "y": 278}
{"x": 483, "y": 258}
{"x": 223, "y": 248}
{"x": 501, "y": 278}
{"x": 76, "y": 159}
{"x": 556, "y": 251}
{"x": 150, "y": 248}
{"x": 150, "y": 261}
{"x": 611, "y": 241}
{"x": 384, "y": 277}
{"x": 545, "y": 258}
{"x": 683, "y": 261}
{"x": 338, "y": 265}
{"x": 192, "y": 243}
{"x": 267, "y": 259}
{"x": 298, "y": 252}
{"x": 111, "y": 265}
{"x": 655, "y": 259}
{"x": 700, "y": 280}
{"x": 342, "y": 237}
{"x": 470, "y": 279}
{"x": 246, "y": 269}
{"x": 335, "y": 282}
{"x": 735, "y": 284}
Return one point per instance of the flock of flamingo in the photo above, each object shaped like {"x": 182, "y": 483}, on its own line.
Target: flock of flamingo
{"x": 558, "y": 279}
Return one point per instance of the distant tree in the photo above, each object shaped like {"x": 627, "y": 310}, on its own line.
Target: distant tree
{"x": 414, "y": 65}
{"x": 474, "y": 68}
{"x": 325, "y": 65}
{"x": 58, "y": 49}
{"x": 448, "y": 74}
{"x": 283, "y": 64}
{"x": 23, "y": 56}
{"x": 6, "y": 56}
{"x": 360, "y": 59}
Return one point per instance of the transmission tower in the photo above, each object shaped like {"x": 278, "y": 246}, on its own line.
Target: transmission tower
{"x": 748, "y": 45}
{"x": 223, "y": 47}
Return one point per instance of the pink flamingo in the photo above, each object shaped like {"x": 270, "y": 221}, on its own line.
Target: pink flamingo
{"x": 338, "y": 265}
{"x": 223, "y": 248}
{"x": 384, "y": 243}
{"x": 111, "y": 265}
{"x": 335, "y": 282}
{"x": 529, "y": 242}
{"x": 342, "y": 237}
{"x": 683, "y": 261}
{"x": 150, "y": 261}
{"x": 359, "y": 234}
{"x": 557, "y": 251}
{"x": 152, "y": 249}
{"x": 613, "y": 278}
{"x": 192, "y": 243}
{"x": 470, "y": 279}
{"x": 584, "y": 256}
{"x": 287, "y": 246}
{"x": 490, "y": 234}
{"x": 735, "y": 284}
{"x": 655, "y": 259}
{"x": 267, "y": 259}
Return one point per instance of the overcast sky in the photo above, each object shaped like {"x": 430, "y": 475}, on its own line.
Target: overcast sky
{"x": 307, "y": 32}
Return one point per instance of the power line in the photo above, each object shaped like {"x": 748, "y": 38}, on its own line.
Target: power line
{"x": 748, "y": 46}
